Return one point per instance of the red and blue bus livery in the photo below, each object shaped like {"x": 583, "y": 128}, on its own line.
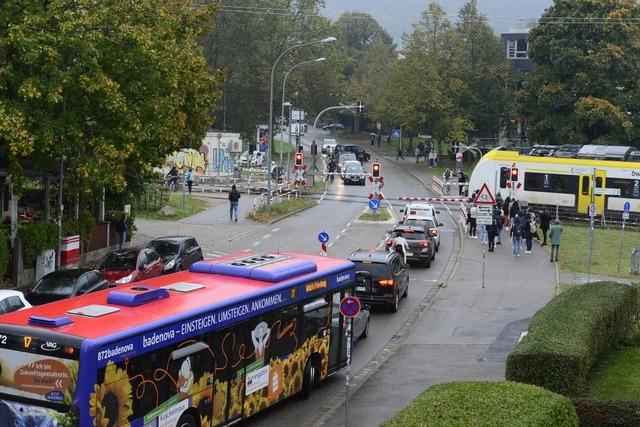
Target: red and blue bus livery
{"x": 207, "y": 347}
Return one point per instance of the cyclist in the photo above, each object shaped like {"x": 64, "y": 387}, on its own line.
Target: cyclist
{"x": 331, "y": 167}
{"x": 446, "y": 177}
{"x": 172, "y": 178}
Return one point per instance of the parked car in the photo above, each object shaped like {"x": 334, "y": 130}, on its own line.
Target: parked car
{"x": 11, "y": 300}
{"x": 422, "y": 247}
{"x": 245, "y": 158}
{"x": 425, "y": 221}
{"x": 329, "y": 146}
{"x": 360, "y": 153}
{"x": 333, "y": 126}
{"x": 257, "y": 160}
{"x": 382, "y": 277}
{"x": 130, "y": 265}
{"x": 361, "y": 323}
{"x": 177, "y": 252}
{"x": 421, "y": 209}
{"x": 353, "y": 173}
{"x": 68, "y": 283}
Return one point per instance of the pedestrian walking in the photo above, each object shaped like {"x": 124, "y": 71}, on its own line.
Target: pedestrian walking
{"x": 498, "y": 215}
{"x": 399, "y": 155}
{"x": 417, "y": 154}
{"x": 121, "y": 228}
{"x": 555, "y": 232}
{"x": 432, "y": 156}
{"x": 514, "y": 208}
{"x": 473, "y": 221}
{"x": 234, "y": 201}
{"x": 446, "y": 178}
{"x": 462, "y": 179}
{"x": 545, "y": 220}
{"x": 529, "y": 231}
{"x": 373, "y": 138}
{"x": 189, "y": 179}
{"x": 379, "y": 138}
{"x": 492, "y": 231}
{"x": 516, "y": 234}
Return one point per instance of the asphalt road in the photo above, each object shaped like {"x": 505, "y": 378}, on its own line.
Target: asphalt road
{"x": 337, "y": 213}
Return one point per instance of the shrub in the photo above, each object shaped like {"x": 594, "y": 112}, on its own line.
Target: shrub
{"x": 568, "y": 336}
{"x": 37, "y": 237}
{"x": 4, "y": 251}
{"x": 605, "y": 413}
{"x": 83, "y": 226}
{"x": 488, "y": 404}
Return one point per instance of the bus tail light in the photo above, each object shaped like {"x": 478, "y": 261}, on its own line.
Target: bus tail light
{"x": 386, "y": 282}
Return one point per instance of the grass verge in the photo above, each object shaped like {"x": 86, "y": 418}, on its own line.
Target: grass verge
{"x": 615, "y": 376}
{"x": 191, "y": 207}
{"x": 280, "y": 210}
{"x": 574, "y": 250}
{"x": 382, "y": 215}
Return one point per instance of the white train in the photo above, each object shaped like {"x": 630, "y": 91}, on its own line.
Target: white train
{"x": 565, "y": 183}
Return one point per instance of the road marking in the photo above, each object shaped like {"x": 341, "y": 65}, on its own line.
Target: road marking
{"x": 338, "y": 236}
{"x": 349, "y": 225}
{"x": 344, "y": 231}
{"x": 246, "y": 250}
{"x": 275, "y": 230}
{"x": 266, "y": 236}
{"x": 256, "y": 243}
{"x": 330, "y": 244}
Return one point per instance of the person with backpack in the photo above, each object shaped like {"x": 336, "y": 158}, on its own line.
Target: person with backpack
{"x": 498, "y": 215}
{"x": 473, "y": 221}
{"x": 492, "y": 231}
{"x": 462, "y": 180}
{"x": 516, "y": 234}
{"x": 529, "y": 231}
{"x": 446, "y": 177}
{"x": 234, "y": 201}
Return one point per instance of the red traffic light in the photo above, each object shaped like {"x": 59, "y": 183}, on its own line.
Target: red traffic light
{"x": 375, "y": 170}
{"x": 514, "y": 174}
{"x": 299, "y": 161}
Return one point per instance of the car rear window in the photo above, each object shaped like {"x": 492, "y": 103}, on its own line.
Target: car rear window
{"x": 420, "y": 223}
{"x": 376, "y": 269}
{"x": 415, "y": 235}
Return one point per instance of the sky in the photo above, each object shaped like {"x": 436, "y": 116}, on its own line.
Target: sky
{"x": 397, "y": 16}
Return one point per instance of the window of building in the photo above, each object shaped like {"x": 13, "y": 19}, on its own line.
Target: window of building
{"x": 517, "y": 49}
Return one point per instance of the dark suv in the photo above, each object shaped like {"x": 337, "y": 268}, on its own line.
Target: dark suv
{"x": 360, "y": 153}
{"x": 381, "y": 277}
{"x": 421, "y": 243}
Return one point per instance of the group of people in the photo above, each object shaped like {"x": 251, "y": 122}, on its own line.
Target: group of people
{"x": 521, "y": 224}
{"x": 172, "y": 178}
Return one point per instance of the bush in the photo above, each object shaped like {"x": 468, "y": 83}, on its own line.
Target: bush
{"x": 568, "y": 336}
{"x": 4, "y": 251}
{"x": 83, "y": 226}
{"x": 37, "y": 237}
{"x": 605, "y": 413}
{"x": 488, "y": 404}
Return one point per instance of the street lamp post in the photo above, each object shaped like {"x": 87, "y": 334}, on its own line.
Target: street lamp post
{"x": 273, "y": 71}
{"x": 284, "y": 85}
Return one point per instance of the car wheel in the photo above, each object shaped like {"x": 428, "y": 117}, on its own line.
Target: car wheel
{"x": 365, "y": 333}
{"x": 406, "y": 291}
{"x": 437, "y": 248}
{"x": 187, "y": 420}
{"x": 307, "y": 380}
{"x": 396, "y": 303}
{"x": 427, "y": 263}
{"x": 433, "y": 255}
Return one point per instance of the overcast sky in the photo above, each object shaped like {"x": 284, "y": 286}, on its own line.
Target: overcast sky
{"x": 397, "y": 16}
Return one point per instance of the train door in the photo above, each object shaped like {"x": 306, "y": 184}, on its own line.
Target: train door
{"x": 585, "y": 189}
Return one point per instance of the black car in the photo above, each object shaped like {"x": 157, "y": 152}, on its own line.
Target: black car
{"x": 177, "y": 252}
{"x": 381, "y": 277}
{"x": 360, "y": 153}
{"x": 421, "y": 243}
{"x": 354, "y": 174}
{"x": 63, "y": 284}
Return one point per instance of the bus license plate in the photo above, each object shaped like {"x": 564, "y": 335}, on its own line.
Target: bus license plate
{"x": 409, "y": 253}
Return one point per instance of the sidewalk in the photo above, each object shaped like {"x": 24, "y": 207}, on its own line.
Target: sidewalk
{"x": 466, "y": 332}
{"x": 212, "y": 227}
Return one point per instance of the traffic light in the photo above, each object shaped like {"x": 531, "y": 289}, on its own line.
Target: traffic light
{"x": 375, "y": 170}
{"x": 514, "y": 174}
{"x": 299, "y": 161}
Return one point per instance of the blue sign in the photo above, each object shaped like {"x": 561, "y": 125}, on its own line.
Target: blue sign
{"x": 374, "y": 204}
{"x": 350, "y": 306}
{"x": 627, "y": 206}
{"x": 396, "y": 133}
{"x": 323, "y": 237}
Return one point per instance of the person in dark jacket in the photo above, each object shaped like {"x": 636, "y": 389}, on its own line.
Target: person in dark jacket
{"x": 462, "y": 180}
{"x": 517, "y": 231}
{"x": 121, "y": 228}
{"x": 545, "y": 220}
{"x": 234, "y": 201}
{"x": 514, "y": 208}
{"x": 527, "y": 233}
{"x": 492, "y": 231}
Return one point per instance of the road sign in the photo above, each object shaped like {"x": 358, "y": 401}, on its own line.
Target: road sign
{"x": 396, "y": 133}
{"x": 484, "y": 196}
{"x": 374, "y": 204}
{"x": 592, "y": 209}
{"x": 627, "y": 206}
{"x": 607, "y": 191}
{"x": 625, "y": 216}
{"x": 484, "y": 215}
{"x": 350, "y": 307}
{"x": 323, "y": 237}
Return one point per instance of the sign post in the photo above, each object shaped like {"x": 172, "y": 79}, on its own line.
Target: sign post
{"x": 323, "y": 238}
{"x": 374, "y": 205}
{"x": 349, "y": 308}
{"x": 592, "y": 216}
{"x": 625, "y": 217}
{"x": 484, "y": 203}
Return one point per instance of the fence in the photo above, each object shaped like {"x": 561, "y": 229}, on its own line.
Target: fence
{"x": 153, "y": 198}
{"x": 437, "y": 185}
{"x": 277, "y": 195}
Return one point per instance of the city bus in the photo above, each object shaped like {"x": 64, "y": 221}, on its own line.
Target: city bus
{"x": 205, "y": 347}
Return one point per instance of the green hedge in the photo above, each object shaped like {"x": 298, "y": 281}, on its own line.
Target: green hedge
{"x": 4, "y": 251}
{"x": 568, "y": 336}
{"x": 608, "y": 413}
{"x": 489, "y": 404}
{"x": 37, "y": 237}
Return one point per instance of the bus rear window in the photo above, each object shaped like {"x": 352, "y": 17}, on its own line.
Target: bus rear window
{"x": 35, "y": 370}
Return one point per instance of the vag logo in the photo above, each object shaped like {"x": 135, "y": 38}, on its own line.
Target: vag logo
{"x": 50, "y": 346}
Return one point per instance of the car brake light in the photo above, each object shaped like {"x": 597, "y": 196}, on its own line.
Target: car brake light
{"x": 425, "y": 244}
{"x": 386, "y": 282}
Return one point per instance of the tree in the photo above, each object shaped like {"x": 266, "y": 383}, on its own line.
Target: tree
{"x": 113, "y": 86}
{"x": 585, "y": 85}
